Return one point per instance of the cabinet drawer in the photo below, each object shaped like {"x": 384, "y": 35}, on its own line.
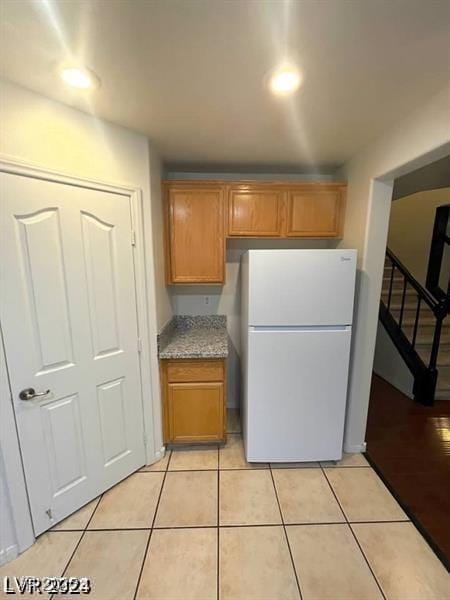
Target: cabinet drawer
{"x": 195, "y": 370}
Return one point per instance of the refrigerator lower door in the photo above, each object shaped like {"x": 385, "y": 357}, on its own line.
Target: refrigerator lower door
{"x": 295, "y": 395}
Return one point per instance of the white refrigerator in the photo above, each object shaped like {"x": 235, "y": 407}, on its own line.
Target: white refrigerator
{"x": 297, "y": 311}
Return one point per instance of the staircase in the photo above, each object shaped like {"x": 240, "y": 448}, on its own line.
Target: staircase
{"x": 413, "y": 316}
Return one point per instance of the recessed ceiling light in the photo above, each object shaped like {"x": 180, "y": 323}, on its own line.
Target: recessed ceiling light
{"x": 285, "y": 81}
{"x": 79, "y": 77}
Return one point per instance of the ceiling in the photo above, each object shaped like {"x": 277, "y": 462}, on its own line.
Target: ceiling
{"x": 191, "y": 74}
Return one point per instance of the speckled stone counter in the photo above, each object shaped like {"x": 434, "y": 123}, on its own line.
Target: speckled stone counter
{"x": 194, "y": 337}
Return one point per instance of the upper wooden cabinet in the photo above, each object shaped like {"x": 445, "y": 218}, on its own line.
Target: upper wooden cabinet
{"x": 201, "y": 214}
{"x": 196, "y": 241}
{"x": 314, "y": 211}
{"x": 255, "y": 211}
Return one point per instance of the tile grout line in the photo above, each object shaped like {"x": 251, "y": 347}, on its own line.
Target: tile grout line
{"x": 262, "y": 468}
{"x": 79, "y": 541}
{"x": 344, "y": 466}
{"x": 411, "y": 517}
{"x": 285, "y": 534}
{"x": 218, "y": 526}
{"x": 353, "y": 534}
{"x": 151, "y": 529}
{"x": 230, "y": 525}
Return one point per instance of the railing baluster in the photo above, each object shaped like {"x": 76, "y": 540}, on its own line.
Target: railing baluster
{"x": 425, "y": 376}
{"x": 390, "y": 285}
{"x": 416, "y": 322}
{"x": 435, "y": 346}
{"x": 405, "y": 282}
{"x": 437, "y": 249}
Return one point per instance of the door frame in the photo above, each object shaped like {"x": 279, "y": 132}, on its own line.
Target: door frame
{"x": 148, "y": 356}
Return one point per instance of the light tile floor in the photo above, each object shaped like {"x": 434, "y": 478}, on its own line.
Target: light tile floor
{"x": 204, "y": 524}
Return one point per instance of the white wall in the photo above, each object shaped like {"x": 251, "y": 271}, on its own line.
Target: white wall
{"x": 389, "y": 364}
{"x": 46, "y": 134}
{"x": 415, "y": 141}
{"x": 411, "y": 229}
{"x": 162, "y": 292}
{"x": 43, "y": 132}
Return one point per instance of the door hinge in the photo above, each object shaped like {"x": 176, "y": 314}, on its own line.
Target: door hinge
{"x": 139, "y": 345}
{"x": 133, "y": 237}
{"x": 145, "y": 439}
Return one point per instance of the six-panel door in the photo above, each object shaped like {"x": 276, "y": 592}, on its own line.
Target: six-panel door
{"x": 69, "y": 322}
{"x": 196, "y": 230}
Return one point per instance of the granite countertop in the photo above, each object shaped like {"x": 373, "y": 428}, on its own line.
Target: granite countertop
{"x": 194, "y": 337}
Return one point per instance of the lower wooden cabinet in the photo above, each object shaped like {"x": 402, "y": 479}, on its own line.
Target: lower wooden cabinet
{"x": 194, "y": 401}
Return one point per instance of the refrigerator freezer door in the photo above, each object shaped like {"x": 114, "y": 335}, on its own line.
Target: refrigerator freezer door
{"x": 295, "y": 395}
{"x": 301, "y": 287}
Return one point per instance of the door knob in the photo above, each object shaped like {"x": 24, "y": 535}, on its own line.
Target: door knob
{"x": 30, "y": 393}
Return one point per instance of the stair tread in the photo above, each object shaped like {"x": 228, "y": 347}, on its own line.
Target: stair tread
{"x": 399, "y": 290}
{"x": 398, "y": 306}
{"x": 424, "y": 337}
{"x": 396, "y": 280}
{"x": 443, "y": 385}
{"x": 443, "y": 359}
{"x": 424, "y": 321}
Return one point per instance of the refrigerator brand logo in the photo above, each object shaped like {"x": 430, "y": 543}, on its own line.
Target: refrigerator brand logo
{"x": 345, "y": 258}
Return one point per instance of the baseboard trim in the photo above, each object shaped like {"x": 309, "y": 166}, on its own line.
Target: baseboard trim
{"x": 353, "y": 448}
{"x": 159, "y": 454}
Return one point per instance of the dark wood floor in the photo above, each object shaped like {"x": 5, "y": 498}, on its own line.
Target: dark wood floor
{"x": 409, "y": 445}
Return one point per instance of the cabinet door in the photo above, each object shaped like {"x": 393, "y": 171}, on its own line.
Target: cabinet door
{"x": 314, "y": 212}
{"x": 195, "y": 412}
{"x": 254, "y": 211}
{"x": 196, "y": 241}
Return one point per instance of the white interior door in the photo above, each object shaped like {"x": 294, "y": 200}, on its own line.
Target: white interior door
{"x": 68, "y": 312}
